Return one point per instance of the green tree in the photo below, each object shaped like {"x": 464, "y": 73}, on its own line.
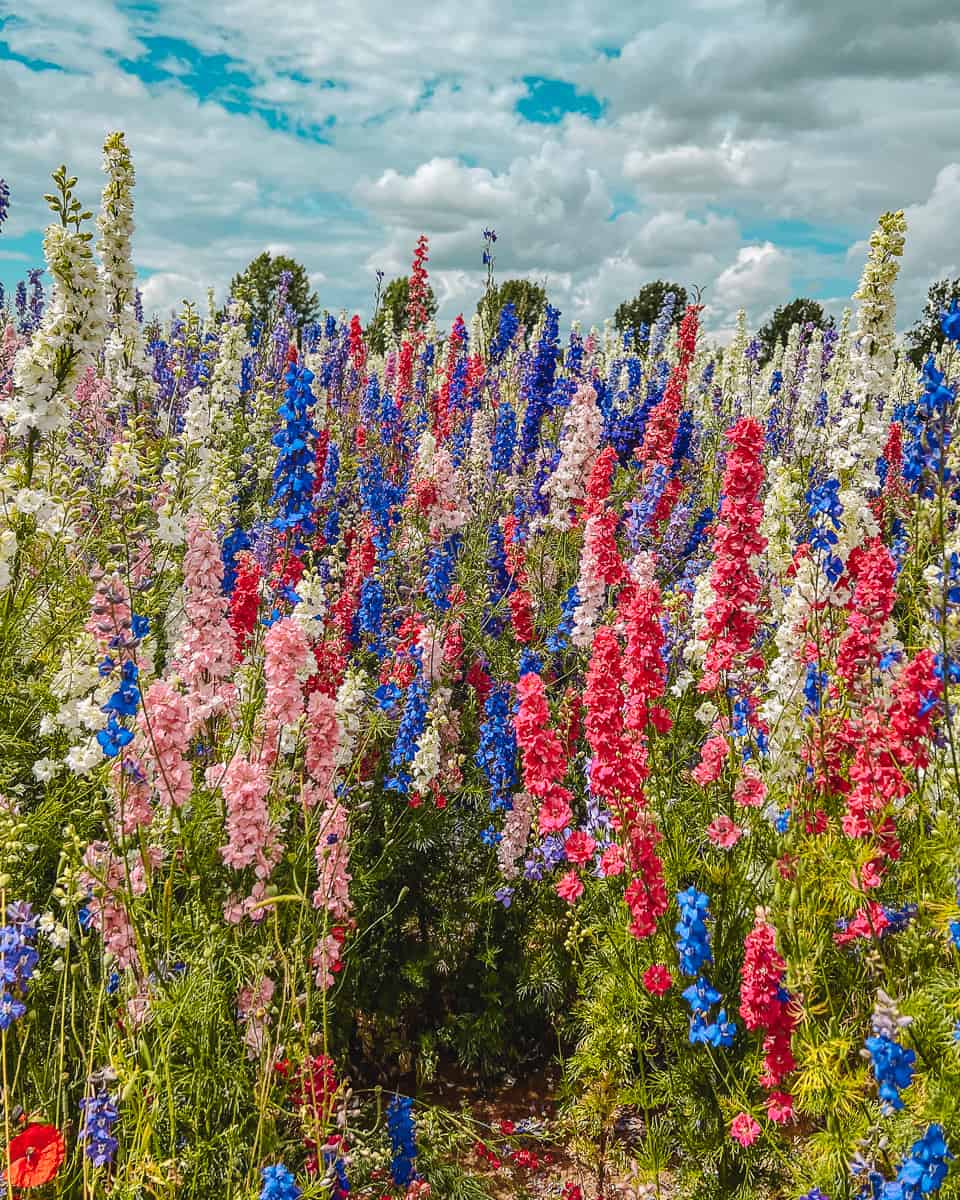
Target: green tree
{"x": 258, "y": 283}
{"x": 393, "y": 308}
{"x": 528, "y": 299}
{"x": 926, "y": 337}
{"x": 645, "y": 307}
{"x": 800, "y": 311}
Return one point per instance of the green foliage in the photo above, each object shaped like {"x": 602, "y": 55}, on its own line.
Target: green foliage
{"x": 926, "y": 337}
{"x": 645, "y": 306}
{"x": 528, "y": 298}
{"x": 258, "y": 285}
{"x": 800, "y": 311}
{"x": 391, "y": 313}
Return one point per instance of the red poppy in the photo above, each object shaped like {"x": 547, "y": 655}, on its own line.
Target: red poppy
{"x": 35, "y": 1156}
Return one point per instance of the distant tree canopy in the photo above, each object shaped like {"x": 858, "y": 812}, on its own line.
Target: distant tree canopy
{"x": 645, "y": 307}
{"x": 259, "y": 281}
{"x": 800, "y": 311}
{"x": 927, "y": 337}
{"x": 393, "y": 304}
{"x": 528, "y": 299}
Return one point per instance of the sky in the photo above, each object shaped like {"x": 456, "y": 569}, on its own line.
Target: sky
{"x": 743, "y": 146}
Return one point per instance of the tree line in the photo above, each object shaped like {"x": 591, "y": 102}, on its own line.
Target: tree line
{"x": 260, "y": 283}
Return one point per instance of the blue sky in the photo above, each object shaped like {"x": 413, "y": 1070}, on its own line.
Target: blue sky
{"x": 745, "y": 146}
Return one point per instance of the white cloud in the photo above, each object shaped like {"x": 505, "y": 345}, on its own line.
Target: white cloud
{"x": 756, "y": 281}
{"x": 692, "y": 170}
{"x": 723, "y": 118}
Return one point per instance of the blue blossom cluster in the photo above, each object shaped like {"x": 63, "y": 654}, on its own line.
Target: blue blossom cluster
{"x": 926, "y": 436}
{"x": 99, "y": 1117}
{"x": 559, "y": 638}
{"x": 412, "y": 724}
{"x": 403, "y": 1142}
{"x": 441, "y": 564}
{"x": 538, "y": 384}
{"x": 697, "y": 532}
{"x": 892, "y": 1068}
{"x": 497, "y": 753}
{"x": 18, "y": 958}
{"x": 278, "y": 1184}
{"x": 643, "y": 509}
{"x": 950, "y": 321}
{"x": 504, "y": 439}
{"x": 814, "y": 686}
{"x": 701, "y": 996}
{"x": 370, "y": 613}
{"x": 661, "y": 327}
{"x": 380, "y": 499}
{"x": 826, "y": 511}
{"x": 293, "y": 474}
{"x": 693, "y": 946}
{"x": 506, "y": 332}
{"x": 122, "y": 703}
{"x": 693, "y": 940}
{"x": 924, "y": 1168}
{"x": 234, "y": 542}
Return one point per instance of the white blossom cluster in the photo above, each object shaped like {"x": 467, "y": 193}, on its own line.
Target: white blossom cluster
{"x": 123, "y": 350}
{"x": 579, "y": 444}
{"x": 67, "y": 341}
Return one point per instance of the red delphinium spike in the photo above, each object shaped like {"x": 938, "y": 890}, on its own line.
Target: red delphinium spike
{"x": 618, "y": 769}
{"x": 361, "y": 557}
{"x": 320, "y": 459}
{"x": 479, "y": 680}
{"x": 645, "y": 672}
{"x": 358, "y": 351}
{"x": 889, "y": 743}
{"x": 245, "y": 600}
{"x": 417, "y": 289}
{"x": 661, "y": 428}
{"x": 765, "y": 1005}
{"x": 544, "y": 763}
{"x": 871, "y": 606}
{"x": 441, "y": 404}
{"x": 731, "y": 621}
{"x": 404, "y": 373}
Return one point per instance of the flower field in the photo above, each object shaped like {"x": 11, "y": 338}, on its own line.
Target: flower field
{"x": 369, "y": 721}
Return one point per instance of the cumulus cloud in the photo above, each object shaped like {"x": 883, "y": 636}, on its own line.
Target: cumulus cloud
{"x": 743, "y": 144}
{"x": 756, "y": 281}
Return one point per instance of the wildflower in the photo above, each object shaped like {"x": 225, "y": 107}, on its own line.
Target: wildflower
{"x": 544, "y": 764}
{"x": 35, "y": 1156}
{"x": 724, "y": 833}
{"x": 693, "y": 941}
{"x": 925, "y": 1167}
{"x": 657, "y": 979}
{"x": 949, "y": 318}
{"x": 99, "y": 1117}
{"x": 497, "y": 752}
{"x": 750, "y": 790}
{"x": 730, "y": 621}
{"x": 744, "y": 1129}
{"x": 293, "y": 475}
{"x": 764, "y": 1003}
{"x": 579, "y": 847}
{"x": 570, "y": 888}
{"x": 400, "y": 1126}
{"x": 278, "y": 1184}
{"x": 713, "y": 756}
